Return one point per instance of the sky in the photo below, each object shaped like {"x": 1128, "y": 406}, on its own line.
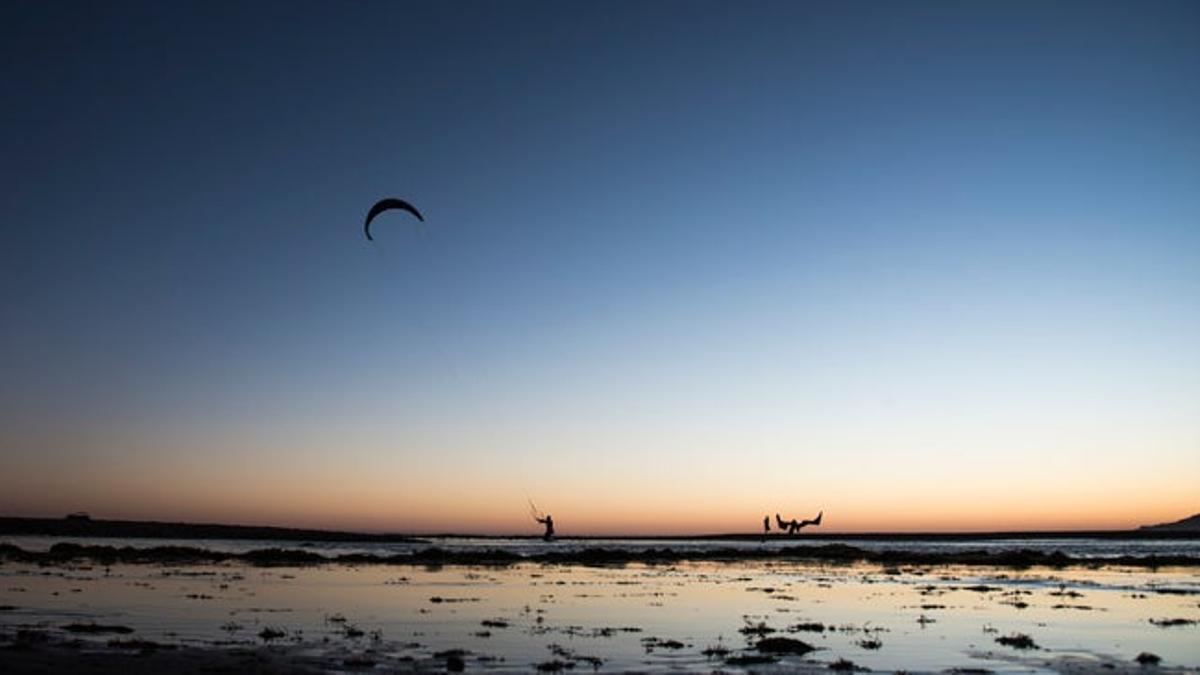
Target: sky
{"x": 923, "y": 265}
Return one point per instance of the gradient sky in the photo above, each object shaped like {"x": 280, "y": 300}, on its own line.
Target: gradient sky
{"x": 926, "y": 266}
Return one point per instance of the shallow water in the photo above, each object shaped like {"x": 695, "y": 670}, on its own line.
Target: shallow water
{"x": 915, "y": 618}
{"x": 1080, "y": 548}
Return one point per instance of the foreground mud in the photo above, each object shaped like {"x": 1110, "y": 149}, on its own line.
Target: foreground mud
{"x": 185, "y": 610}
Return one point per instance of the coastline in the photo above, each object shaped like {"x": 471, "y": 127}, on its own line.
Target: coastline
{"x": 829, "y": 553}
{"x": 152, "y": 529}
{"x": 149, "y": 529}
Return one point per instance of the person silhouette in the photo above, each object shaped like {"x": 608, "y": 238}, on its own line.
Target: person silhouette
{"x": 793, "y": 526}
{"x": 766, "y": 525}
{"x": 548, "y": 521}
{"x": 781, "y": 524}
{"x": 815, "y": 521}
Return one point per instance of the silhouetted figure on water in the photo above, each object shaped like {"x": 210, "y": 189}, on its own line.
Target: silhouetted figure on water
{"x": 544, "y": 519}
{"x": 766, "y": 525}
{"x": 782, "y": 524}
{"x": 793, "y": 526}
{"x": 548, "y": 521}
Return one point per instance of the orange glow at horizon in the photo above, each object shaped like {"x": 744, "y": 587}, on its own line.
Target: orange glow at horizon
{"x": 902, "y": 479}
{"x": 473, "y": 507}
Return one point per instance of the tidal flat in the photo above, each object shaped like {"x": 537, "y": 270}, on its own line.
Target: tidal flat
{"x": 731, "y": 615}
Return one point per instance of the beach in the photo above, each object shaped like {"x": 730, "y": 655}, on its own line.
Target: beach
{"x": 615, "y": 337}
{"x": 697, "y": 608}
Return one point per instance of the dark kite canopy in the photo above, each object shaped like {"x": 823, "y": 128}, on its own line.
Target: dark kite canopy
{"x": 386, "y": 205}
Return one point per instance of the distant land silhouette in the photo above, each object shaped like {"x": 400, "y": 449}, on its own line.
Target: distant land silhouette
{"x": 82, "y": 525}
{"x": 1189, "y": 524}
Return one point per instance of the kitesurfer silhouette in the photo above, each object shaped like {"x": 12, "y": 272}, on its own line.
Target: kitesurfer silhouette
{"x": 548, "y": 521}
{"x": 793, "y": 526}
{"x": 543, "y": 519}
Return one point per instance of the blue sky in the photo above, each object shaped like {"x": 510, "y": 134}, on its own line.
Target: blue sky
{"x": 668, "y": 245}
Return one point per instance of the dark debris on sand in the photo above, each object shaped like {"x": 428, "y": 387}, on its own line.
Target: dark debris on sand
{"x": 1023, "y": 558}
{"x": 455, "y": 661}
{"x": 783, "y": 645}
{"x": 652, "y": 643}
{"x": 1148, "y": 659}
{"x": 870, "y": 643}
{"x": 760, "y": 629}
{"x": 1017, "y": 641}
{"x": 715, "y": 652}
{"x": 96, "y": 628}
{"x": 1169, "y": 623}
{"x": 138, "y": 644}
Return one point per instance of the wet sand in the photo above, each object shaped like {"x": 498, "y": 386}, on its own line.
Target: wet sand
{"x": 149, "y": 610}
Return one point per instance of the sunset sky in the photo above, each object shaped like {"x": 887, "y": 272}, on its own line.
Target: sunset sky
{"x": 923, "y": 265}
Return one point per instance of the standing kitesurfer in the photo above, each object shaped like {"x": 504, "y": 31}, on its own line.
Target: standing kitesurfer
{"x": 543, "y": 519}
{"x": 548, "y": 521}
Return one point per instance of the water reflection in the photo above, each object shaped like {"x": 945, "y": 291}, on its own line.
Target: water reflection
{"x": 693, "y": 615}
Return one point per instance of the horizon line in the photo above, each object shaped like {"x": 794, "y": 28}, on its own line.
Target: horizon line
{"x": 827, "y": 534}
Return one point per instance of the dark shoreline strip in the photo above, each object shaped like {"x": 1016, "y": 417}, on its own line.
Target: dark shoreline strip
{"x": 831, "y": 553}
{"x": 137, "y": 529}
{"x": 83, "y": 526}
